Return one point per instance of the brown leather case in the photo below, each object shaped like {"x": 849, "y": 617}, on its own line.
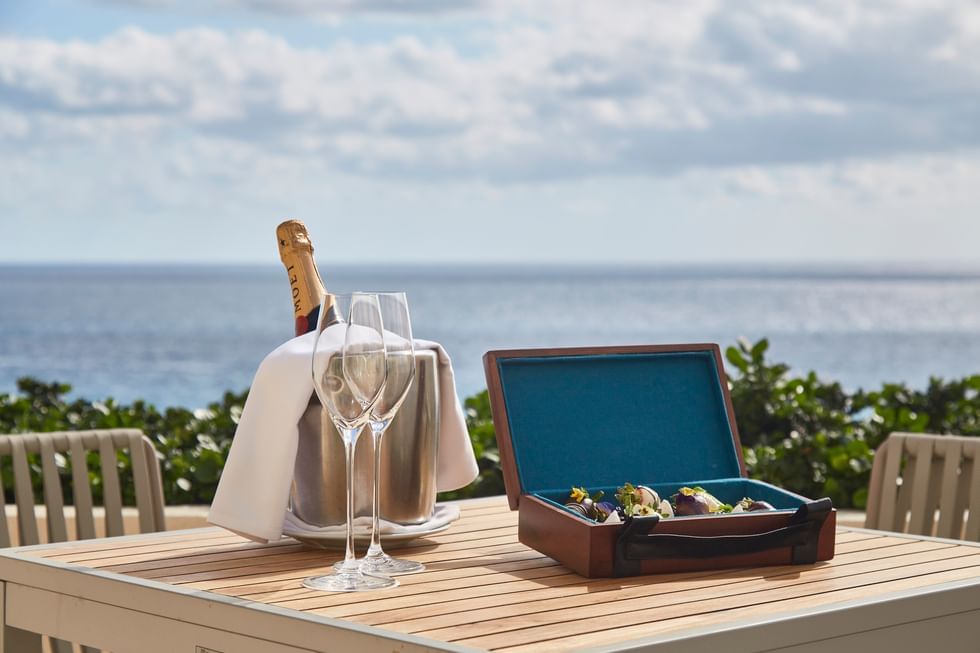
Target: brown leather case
{"x": 590, "y": 549}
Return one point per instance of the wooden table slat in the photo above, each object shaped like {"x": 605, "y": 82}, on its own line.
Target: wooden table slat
{"x": 246, "y": 578}
{"x": 419, "y": 592}
{"x": 204, "y": 558}
{"x": 420, "y": 618}
{"x": 563, "y": 640}
{"x": 615, "y": 614}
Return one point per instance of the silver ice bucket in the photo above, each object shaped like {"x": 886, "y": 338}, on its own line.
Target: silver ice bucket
{"x": 408, "y": 460}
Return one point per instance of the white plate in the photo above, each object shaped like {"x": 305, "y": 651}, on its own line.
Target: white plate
{"x": 336, "y": 541}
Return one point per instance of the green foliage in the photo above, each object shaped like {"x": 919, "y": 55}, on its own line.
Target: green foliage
{"x": 800, "y": 432}
{"x": 480, "y": 425}
{"x": 814, "y": 438}
{"x": 192, "y": 445}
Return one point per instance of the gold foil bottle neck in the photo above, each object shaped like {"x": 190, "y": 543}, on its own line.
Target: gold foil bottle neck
{"x": 293, "y": 237}
{"x": 296, "y": 252}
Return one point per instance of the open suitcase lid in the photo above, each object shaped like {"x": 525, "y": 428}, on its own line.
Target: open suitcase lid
{"x": 601, "y": 416}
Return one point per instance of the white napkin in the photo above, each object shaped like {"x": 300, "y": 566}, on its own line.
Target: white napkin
{"x": 253, "y": 492}
{"x": 442, "y": 515}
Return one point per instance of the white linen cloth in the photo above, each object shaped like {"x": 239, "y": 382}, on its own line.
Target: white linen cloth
{"x": 253, "y": 491}
{"x": 443, "y": 514}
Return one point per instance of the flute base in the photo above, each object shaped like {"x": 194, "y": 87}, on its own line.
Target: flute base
{"x": 349, "y": 580}
{"x": 384, "y": 565}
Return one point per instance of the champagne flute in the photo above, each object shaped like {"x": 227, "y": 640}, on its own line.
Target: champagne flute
{"x": 349, "y": 375}
{"x": 400, "y": 367}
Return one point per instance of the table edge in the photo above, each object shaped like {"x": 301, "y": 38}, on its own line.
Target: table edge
{"x": 784, "y": 630}
{"x": 36, "y": 572}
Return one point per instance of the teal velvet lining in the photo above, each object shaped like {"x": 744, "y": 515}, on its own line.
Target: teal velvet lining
{"x": 602, "y": 420}
{"x": 726, "y": 490}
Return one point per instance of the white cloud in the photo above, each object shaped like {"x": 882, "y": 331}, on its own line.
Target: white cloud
{"x": 340, "y": 7}
{"x": 326, "y": 9}
{"x": 939, "y": 179}
{"x": 559, "y": 92}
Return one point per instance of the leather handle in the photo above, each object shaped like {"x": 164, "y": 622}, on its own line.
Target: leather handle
{"x": 636, "y": 543}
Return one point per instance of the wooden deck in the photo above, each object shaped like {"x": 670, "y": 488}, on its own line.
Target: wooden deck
{"x": 483, "y": 589}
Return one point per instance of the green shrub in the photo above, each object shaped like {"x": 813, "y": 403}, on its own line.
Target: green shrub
{"x": 192, "y": 445}
{"x": 815, "y": 438}
{"x": 800, "y": 432}
{"x": 480, "y": 425}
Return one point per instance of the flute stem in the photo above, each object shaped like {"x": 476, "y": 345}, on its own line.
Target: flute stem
{"x": 377, "y": 432}
{"x": 350, "y": 439}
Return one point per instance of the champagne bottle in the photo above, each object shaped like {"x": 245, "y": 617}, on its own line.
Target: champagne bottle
{"x": 319, "y": 476}
{"x": 296, "y": 252}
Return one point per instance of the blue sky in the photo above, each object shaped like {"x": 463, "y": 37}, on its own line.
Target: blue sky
{"x": 491, "y": 130}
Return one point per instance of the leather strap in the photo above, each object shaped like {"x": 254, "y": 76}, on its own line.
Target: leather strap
{"x": 636, "y": 543}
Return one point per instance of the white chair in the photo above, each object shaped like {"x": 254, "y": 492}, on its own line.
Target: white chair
{"x": 43, "y": 449}
{"x": 926, "y": 484}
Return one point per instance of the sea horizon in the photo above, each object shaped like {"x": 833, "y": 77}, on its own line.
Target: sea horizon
{"x": 183, "y": 333}
{"x": 830, "y": 268}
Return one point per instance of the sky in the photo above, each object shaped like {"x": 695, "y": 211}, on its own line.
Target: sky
{"x": 491, "y": 130}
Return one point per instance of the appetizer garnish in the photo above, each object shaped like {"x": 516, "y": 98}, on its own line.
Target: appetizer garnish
{"x": 580, "y": 501}
{"x": 643, "y": 501}
{"x": 697, "y": 501}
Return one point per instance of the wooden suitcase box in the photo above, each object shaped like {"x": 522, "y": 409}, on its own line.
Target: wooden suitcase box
{"x": 657, "y": 415}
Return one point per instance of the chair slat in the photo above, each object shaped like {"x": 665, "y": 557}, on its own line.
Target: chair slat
{"x": 84, "y": 517}
{"x": 24, "y": 493}
{"x": 904, "y": 498}
{"x": 933, "y": 491}
{"x": 141, "y": 479}
{"x": 57, "y": 645}
{"x": 4, "y": 530}
{"x": 57, "y": 530}
{"x": 111, "y": 496}
{"x": 921, "y": 514}
{"x": 962, "y": 495}
{"x": 156, "y": 485}
{"x": 972, "y": 531}
{"x": 894, "y": 447}
{"x": 948, "y": 525}
{"x": 876, "y": 487}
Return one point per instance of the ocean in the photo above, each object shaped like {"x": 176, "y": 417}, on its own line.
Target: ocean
{"x": 183, "y": 334}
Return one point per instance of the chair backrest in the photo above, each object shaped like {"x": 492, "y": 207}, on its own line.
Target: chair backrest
{"x": 75, "y": 445}
{"x": 926, "y": 484}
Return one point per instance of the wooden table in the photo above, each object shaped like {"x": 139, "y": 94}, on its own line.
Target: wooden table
{"x": 207, "y": 590}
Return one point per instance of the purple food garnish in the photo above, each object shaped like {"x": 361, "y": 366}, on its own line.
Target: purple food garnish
{"x": 605, "y": 508}
{"x": 694, "y": 503}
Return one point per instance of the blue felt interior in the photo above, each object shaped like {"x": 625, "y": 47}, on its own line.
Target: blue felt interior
{"x": 727, "y": 490}
{"x": 608, "y": 419}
